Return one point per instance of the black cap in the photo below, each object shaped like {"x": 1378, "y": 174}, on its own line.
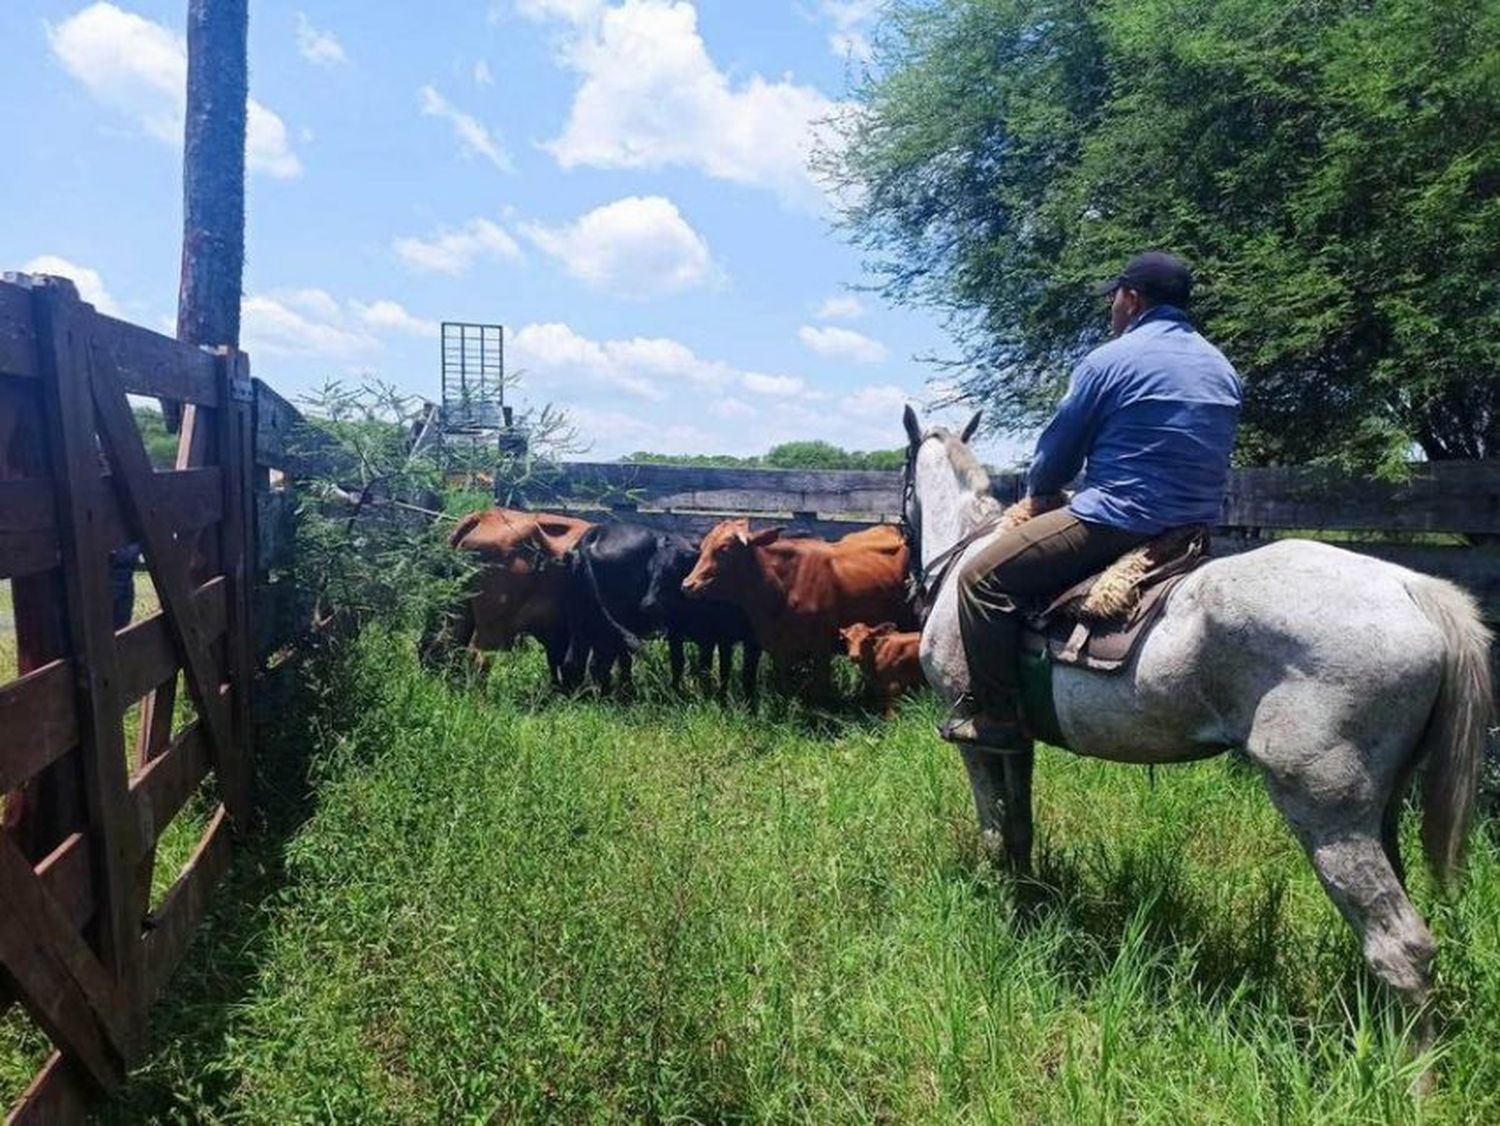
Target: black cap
{"x": 1157, "y": 276}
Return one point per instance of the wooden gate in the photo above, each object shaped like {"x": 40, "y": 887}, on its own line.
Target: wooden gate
{"x": 81, "y": 947}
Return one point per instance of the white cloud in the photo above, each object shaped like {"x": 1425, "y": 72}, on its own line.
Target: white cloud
{"x": 732, "y": 408}
{"x": 389, "y": 316}
{"x": 842, "y": 344}
{"x": 139, "y": 68}
{"x": 311, "y": 323}
{"x": 651, "y": 97}
{"x": 879, "y": 402}
{"x": 474, "y": 138}
{"x": 455, "y": 251}
{"x": 482, "y": 74}
{"x": 575, "y": 11}
{"x": 782, "y": 385}
{"x": 841, "y": 307}
{"x": 851, "y": 21}
{"x": 652, "y": 368}
{"x": 318, "y": 47}
{"x": 90, "y": 284}
{"x": 276, "y": 326}
{"x": 640, "y": 246}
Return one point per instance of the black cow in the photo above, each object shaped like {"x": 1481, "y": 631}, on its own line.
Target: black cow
{"x": 626, "y": 584}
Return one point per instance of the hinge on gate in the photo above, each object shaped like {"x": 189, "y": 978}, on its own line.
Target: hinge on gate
{"x": 241, "y": 390}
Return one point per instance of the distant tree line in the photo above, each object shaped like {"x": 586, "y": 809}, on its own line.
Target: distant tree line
{"x": 1332, "y": 168}
{"x": 788, "y": 455}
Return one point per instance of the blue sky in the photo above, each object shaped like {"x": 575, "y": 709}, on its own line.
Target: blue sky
{"x": 622, "y": 183}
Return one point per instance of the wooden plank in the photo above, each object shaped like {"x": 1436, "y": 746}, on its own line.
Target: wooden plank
{"x": 162, "y": 787}
{"x": 148, "y": 655}
{"x": 58, "y": 1096}
{"x": 237, "y": 559}
{"x": 29, "y": 537}
{"x": 274, "y": 512}
{"x": 51, "y": 805}
{"x": 276, "y": 420}
{"x": 17, "y": 335}
{"x": 148, "y": 363}
{"x": 68, "y": 879}
{"x": 283, "y": 439}
{"x": 28, "y": 527}
{"x": 172, "y": 927}
{"x": 67, "y": 371}
{"x": 56, "y": 976}
{"x": 38, "y": 722}
{"x": 695, "y": 524}
{"x": 168, "y": 561}
{"x": 829, "y": 493}
{"x": 1458, "y": 497}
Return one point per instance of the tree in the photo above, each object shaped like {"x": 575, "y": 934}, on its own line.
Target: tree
{"x": 1332, "y": 168}
{"x": 213, "y": 176}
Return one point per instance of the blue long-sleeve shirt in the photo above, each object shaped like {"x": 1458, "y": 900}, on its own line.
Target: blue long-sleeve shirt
{"x": 1153, "y": 415}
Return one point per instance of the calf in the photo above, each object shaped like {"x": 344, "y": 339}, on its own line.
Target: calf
{"x": 797, "y": 593}
{"x": 888, "y": 659}
{"x": 522, "y": 583}
{"x": 626, "y": 583}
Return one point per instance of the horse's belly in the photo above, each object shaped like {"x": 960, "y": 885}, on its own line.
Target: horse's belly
{"x": 1158, "y": 708}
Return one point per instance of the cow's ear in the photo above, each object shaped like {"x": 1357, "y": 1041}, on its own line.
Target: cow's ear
{"x": 970, "y": 427}
{"x": 764, "y": 536}
{"x": 882, "y": 629}
{"x": 913, "y": 427}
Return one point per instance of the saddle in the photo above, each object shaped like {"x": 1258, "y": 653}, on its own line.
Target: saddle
{"x": 1099, "y": 623}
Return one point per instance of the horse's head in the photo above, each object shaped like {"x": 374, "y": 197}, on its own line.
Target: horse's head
{"x": 927, "y": 450}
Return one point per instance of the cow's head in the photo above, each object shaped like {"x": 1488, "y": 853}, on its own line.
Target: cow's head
{"x": 859, "y": 639}
{"x": 726, "y": 561}
{"x": 673, "y": 560}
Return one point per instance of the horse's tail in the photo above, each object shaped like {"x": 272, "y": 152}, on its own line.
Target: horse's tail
{"x": 1453, "y": 746}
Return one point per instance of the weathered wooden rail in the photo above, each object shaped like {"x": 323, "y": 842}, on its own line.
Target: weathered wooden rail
{"x": 82, "y": 948}
{"x": 1441, "y": 520}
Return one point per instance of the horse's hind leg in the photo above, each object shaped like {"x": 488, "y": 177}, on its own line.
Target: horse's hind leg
{"x": 1342, "y": 834}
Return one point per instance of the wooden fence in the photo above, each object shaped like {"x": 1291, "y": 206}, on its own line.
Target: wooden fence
{"x": 82, "y": 947}
{"x": 1442, "y": 520}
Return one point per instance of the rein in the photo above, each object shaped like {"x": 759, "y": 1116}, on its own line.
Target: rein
{"x": 927, "y": 580}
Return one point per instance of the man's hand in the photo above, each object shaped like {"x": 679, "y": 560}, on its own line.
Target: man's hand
{"x": 1028, "y": 507}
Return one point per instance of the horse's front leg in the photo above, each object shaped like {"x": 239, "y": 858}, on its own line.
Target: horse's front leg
{"x": 1002, "y": 801}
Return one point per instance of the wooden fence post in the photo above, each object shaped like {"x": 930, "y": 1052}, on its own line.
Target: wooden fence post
{"x": 65, "y": 363}
{"x": 237, "y": 562}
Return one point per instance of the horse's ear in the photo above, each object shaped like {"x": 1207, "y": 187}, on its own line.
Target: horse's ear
{"x": 913, "y": 427}
{"x": 970, "y": 427}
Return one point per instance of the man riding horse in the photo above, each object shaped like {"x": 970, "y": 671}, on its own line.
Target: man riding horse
{"x": 1151, "y": 418}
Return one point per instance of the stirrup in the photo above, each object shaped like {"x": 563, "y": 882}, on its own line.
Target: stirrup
{"x": 969, "y": 724}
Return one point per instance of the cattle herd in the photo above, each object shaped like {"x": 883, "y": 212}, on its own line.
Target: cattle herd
{"x": 592, "y": 593}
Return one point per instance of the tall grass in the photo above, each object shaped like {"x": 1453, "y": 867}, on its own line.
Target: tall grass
{"x": 511, "y": 907}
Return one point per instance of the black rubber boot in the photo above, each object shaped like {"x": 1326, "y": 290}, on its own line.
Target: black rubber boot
{"x": 998, "y": 729}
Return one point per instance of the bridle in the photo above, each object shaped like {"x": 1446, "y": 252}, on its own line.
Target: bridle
{"x": 925, "y": 581}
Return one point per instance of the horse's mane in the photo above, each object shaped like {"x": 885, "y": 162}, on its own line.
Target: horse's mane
{"x": 973, "y": 477}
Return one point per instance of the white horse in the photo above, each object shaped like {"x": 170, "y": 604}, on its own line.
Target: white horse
{"x": 1336, "y": 673}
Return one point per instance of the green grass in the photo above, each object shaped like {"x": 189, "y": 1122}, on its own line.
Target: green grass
{"x": 506, "y": 907}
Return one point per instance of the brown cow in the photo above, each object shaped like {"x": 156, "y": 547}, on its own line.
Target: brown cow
{"x": 799, "y": 592}
{"x": 523, "y": 580}
{"x": 887, "y": 658}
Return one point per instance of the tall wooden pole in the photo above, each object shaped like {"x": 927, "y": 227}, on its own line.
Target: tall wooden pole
{"x": 213, "y": 175}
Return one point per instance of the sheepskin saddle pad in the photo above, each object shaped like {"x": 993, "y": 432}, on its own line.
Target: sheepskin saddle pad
{"x": 1099, "y": 623}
